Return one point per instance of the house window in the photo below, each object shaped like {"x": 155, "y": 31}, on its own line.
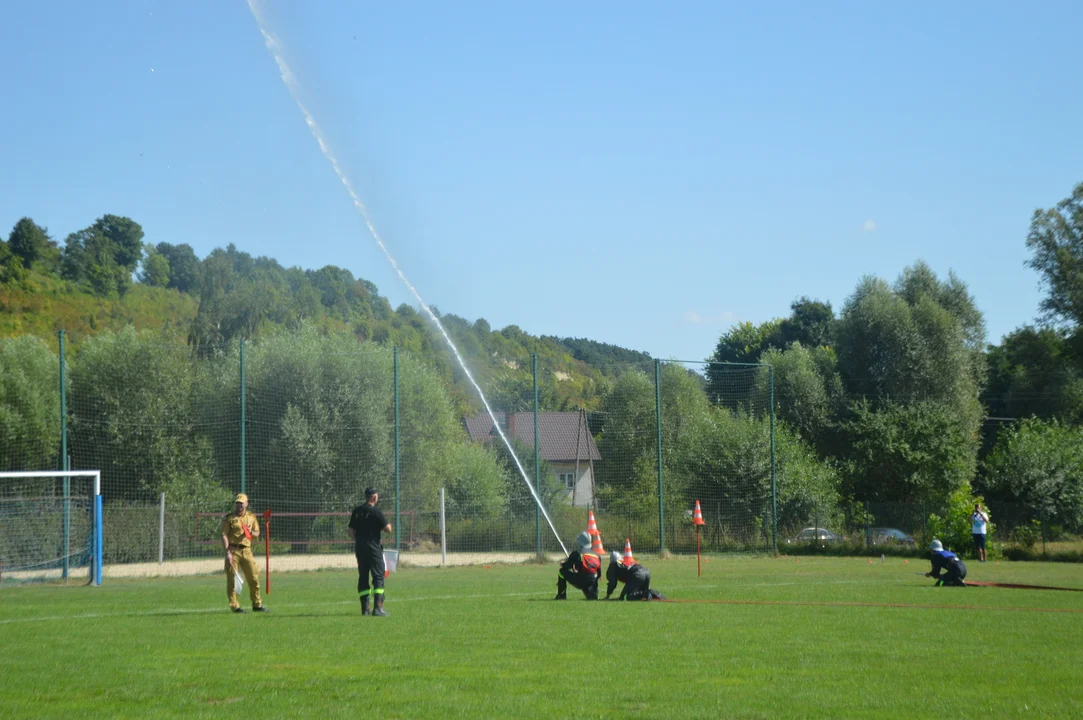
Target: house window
{"x": 568, "y": 479}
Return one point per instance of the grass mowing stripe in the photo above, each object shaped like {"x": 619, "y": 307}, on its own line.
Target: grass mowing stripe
{"x": 898, "y": 606}
{"x": 482, "y": 596}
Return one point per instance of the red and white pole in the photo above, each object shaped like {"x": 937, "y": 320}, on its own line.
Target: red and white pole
{"x": 697, "y": 520}
{"x": 699, "y": 569}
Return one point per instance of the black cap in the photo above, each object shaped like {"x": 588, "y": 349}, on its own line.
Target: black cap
{"x": 369, "y": 492}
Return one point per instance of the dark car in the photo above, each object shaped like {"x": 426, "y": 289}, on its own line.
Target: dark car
{"x": 816, "y": 535}
{"x": 890, "y": 536}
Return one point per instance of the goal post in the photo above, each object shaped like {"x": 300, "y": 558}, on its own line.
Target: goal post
{"x": 50, "y": 526}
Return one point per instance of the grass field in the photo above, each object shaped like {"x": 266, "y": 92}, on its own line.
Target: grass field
{"x": 753, "y": 638}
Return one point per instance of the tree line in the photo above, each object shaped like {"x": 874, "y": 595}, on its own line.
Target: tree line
{"x": 895, "y": 398}
{"x": 900, "y": 394}
{"x": 109, "y": 274}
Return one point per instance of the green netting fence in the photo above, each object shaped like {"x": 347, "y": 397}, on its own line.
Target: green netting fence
{"x": 303, "y": 422}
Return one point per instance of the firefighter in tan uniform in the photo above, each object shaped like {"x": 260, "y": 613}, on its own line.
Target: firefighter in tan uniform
{"x": 238, "y": 529}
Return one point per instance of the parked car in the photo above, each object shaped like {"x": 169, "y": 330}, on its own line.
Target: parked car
{"x": 816, "y": 535}
{"x": 890, "y": 536}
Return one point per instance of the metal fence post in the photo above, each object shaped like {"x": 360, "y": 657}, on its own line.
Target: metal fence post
{"x": 161, "y": 529}
{"x": 774, "y": 479}
{"x": 537, "y": 452}
{"x": 658, "y": 424}
{"x": 243, "y": 393}
{"x": 64, "y": 459}
{"x": 443, "y": 530}
{"x": 398, "y": 455}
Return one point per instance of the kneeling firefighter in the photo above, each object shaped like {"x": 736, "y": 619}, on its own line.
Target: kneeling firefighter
{"x": 948, "y": 568}
{"x": 635, "y": 577}
{"x": 581, "y": 570}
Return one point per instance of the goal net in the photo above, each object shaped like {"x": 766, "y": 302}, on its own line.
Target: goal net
{"x": 50, "y": 526}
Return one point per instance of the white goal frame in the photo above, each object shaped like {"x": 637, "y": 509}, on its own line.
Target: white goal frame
{"x": 96, "y": 521}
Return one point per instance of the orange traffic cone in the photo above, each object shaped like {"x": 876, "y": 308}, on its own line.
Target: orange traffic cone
{"x": 697, "y": 515}
{"x": 629, "y": 559}
{"x": 596, "y": 546}
{"x": 592, "y": 527}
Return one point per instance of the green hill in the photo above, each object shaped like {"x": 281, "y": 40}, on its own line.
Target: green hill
{"x": 87, "y": 287}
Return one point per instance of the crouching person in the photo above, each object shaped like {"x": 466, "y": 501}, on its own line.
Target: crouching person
{"x": 580, "y": 570}
{"x": 948, "y": 568}
{"x": 635, "y": 578}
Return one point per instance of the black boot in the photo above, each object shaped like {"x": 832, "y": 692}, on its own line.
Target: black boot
{"x": 379, "y": 611}
{"x": 365, "y": 605}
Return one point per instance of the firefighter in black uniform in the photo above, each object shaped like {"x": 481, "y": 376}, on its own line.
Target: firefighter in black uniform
{"x": 581, "y": 570}
{"x": 366, "y": 524}
{"x": 948, "y": 568}
{"x": 636, "y": 579}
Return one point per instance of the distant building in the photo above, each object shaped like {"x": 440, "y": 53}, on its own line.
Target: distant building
{"x": 563, "y": 437}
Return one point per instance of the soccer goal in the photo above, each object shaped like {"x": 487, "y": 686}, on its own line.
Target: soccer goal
{"x": 51, "y": 526}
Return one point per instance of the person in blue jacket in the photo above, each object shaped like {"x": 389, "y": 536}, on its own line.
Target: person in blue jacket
{"x": 948, "y": 568}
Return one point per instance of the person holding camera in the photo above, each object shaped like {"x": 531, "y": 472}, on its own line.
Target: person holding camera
{"x": 979, "y": 521}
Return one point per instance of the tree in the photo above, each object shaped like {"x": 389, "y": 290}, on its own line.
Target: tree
{"x": 808, "y": 391}
{"x": 11, "y": 265}
{"x": 919, "y": 281}
{"x": 126, "y": 236}
{"x": 906, "y": 345}
{"x": 476, "y": 487}
{"x": 29, "y": 404}
{"x": 132, "y": 413}
{"x": 1056, "y": 241}
{"x": 1032, "y": 373}
{"x": 906, "y": 452}
{"x": 89, "y": 258}
{"x": 31, "y": 243}
{"x": 627, "y": 445}
{"x": 1039, "y": 463}
{"x": 155, "y": 270}
{"x": 743, "y": 343}
{"x": 183, "y": 266}
{"x": 104, "y": 255}
{"x": 322, "y": 424}
{"x": 811, "y": 323}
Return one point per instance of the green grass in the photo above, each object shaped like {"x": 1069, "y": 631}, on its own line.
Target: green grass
{"x": 765, "y": 638}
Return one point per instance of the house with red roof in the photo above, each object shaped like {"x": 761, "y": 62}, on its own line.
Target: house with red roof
{"x": 564, "y": 440}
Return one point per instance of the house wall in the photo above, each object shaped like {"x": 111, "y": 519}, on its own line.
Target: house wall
{"x": 582, "y": 484}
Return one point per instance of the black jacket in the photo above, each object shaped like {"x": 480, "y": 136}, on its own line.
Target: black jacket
{"x": 622, "y": 573}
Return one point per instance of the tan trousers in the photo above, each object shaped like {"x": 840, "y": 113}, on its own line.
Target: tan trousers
{"x": 247, "y": 565}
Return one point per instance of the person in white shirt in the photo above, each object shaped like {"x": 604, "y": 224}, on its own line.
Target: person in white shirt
{"x": 979, "y": 521}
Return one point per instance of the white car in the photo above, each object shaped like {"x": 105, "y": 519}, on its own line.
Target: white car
{"x": 814, "y": 535}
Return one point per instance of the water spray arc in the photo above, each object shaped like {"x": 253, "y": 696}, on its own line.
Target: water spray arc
{"x": 293, "y": 86}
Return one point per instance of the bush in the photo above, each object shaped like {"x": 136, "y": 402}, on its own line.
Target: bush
{"x": 953, "y": 528}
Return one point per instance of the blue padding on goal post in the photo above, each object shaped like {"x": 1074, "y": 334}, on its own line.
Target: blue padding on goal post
{"x": 97, "y": 539}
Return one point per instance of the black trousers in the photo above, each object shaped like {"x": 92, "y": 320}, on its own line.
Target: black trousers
{"x": 370, "y": 561}
{"x": 638, "y": 586}
{"x": 589, "y": 586}
{"x": 953, "y": 575}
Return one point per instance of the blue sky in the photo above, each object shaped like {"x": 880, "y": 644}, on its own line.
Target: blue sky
{"x": 626, "y": 172}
